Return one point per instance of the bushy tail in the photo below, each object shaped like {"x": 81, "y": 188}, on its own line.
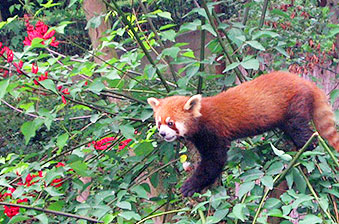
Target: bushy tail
{"x": 323, "y": 119}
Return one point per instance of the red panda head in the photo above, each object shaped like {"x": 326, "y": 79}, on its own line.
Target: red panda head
{"x": 175, "y": 115}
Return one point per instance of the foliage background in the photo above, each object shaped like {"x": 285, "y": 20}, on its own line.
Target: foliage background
{"x": 51, "y": 155}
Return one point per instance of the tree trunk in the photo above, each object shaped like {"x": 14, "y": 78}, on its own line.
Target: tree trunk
{"x": 94, "y": 8}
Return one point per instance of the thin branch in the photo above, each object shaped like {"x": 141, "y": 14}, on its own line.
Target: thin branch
{"x": 202, "y": 54}
{"x": 167, "y": 58}
{"x": 315, "y": 195}
{"x": 246, "y": 11}
{"x": 221, "y": 42}
{"x": 282, "y": 175}
{"x": 264, "y": 9}
{"x": 137, "y": 38}
{"x": 52, "y": 212}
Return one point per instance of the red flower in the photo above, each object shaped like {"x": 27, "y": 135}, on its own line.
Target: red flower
{"x": 124, "y": 143}
{"x": 35, "y": 68}
{"x": 65, "y": 91}
{"x": 40, "y": 31}
{"x": 56, "y": 182}
{"x": 59, "y": 164}
{"x": 11, "y": 211}
{"x": 9, "y": 55}
{"x": 103, "y": 143}
{"x": 35, "y": 82}
{"x": 63, "y": 99}
{"x": 18, "y": 66}
{"x": 22, "y": 200}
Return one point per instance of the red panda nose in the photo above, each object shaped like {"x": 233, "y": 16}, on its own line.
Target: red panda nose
{"x": 163, "y": 134}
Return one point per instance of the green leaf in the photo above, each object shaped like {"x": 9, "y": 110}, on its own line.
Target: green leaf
{"x": 252, "y": 174}
{"x": 275, "y": 168}
{"x": 251, "y": 64}
{"x": 61, "y": 141}
{"x": 165, "y": 15}
{"x": 264, "y": 33}
{"x": 299, "y": 180}
{"x": 36, "y": 43}
{"x": 96, "y": 86}
{"x": 42, "y": 218}
{"x": 282, "y": 51}
{"x": 53, "y": 191}
{"x": 48, "y": 84}
{"x": 108, "y": 218}
{"x": 124, "y": 205}
{"x": 245, "y": 188}
{"x": 140, "y": 191}
{"x": 272, "y": 203}
{"x": 18, "y": 219}
{"x": 231, "y": 66}
{"x": 255, "y": 44}
{"x": 311, "y": 219}
{"x": 56, "y": 206}
{"x": 280, "y": 13}
{"x": 333, "y": 96}
{"x": 80, "y": 168}
{"x": 238, "y": 211}
{"x": 4, "y": 183}
{"x": 3, "y": 87}
{"x": 143, "y": 148}
{"x": 172, "y": 52}
{"x": 302, "y": 198}
{"x": 129, "y": 215}
{"x": 127, "y": 131}
{"x": 28, "y": 130}
{"x": 281, "y": 153}
{"x": 267, "y": 181}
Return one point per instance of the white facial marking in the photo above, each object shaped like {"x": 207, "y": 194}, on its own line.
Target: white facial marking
{"x": 167, "y": 133}
{"x": 181, "y": 128}
{"x": 167, "y": 119}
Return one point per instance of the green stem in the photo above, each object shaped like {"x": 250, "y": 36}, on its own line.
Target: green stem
{"x": 247, "y": 9}
{"x": 202, "y": 54}
{"x": 167, "y": 59}
{"x": 202, "y": 216}
{"x": 315, "y": 195}
{"x": 125, "y": 95}
{"x": 264, "y": 9}
{"x": 234, "y": 48}
{"x": 160, "y": 214}
{"x": 221, "y": 42}
{"x": 141, "y": 44}
{"x": 325, "y": 146}
{"x": 280, "y": 176}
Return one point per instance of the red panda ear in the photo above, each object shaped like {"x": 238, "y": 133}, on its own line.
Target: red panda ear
{"x": 194, "y": 105}
{"x": 153, "y": 102}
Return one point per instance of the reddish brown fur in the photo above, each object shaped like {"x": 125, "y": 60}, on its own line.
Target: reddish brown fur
{"x": 276, "y": 100}
{"x": 256, "y": 106}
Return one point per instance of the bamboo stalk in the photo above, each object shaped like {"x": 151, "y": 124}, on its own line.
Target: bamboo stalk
{"x": 315, "y": 195}
{"x": 222, "y": 44}
{"x": 137, "y": 38}
{"x": 202, "y": 54}
{"x": 263, "y": 14}
{"x": 167, "y": 59}
{"x": 280, "y": 176}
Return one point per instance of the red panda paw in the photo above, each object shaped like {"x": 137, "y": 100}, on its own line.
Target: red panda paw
{"x": 189, "y": 188}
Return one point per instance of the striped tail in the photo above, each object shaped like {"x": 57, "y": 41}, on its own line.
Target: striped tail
{"x": 323, "y": 119}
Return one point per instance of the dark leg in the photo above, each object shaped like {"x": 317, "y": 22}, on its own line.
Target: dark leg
{"x": 297, "y": 121}
{"x": 209, "y": 169}
{"x": 299, "y": 131}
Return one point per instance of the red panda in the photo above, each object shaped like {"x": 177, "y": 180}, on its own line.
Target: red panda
{"x": 275, "y": 100}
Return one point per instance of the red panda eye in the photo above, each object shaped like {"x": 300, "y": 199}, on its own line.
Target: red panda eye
{"x": 170, "y": 124}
